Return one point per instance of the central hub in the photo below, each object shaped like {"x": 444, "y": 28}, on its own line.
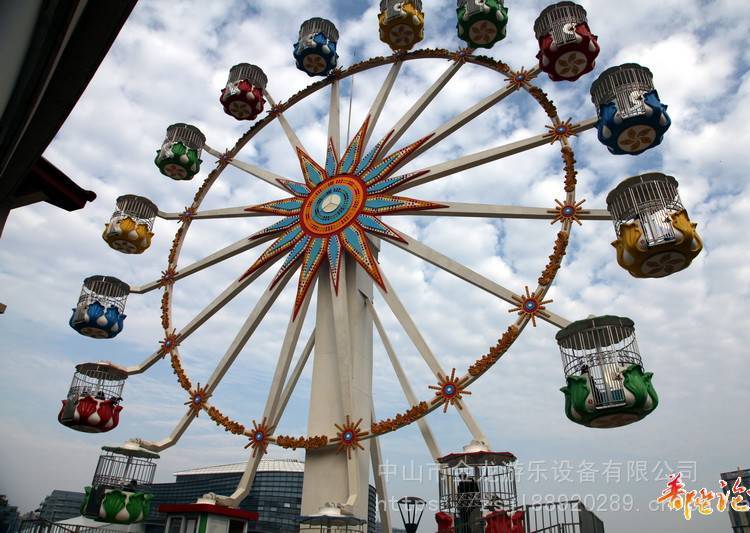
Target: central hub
{"x": 333, "y": 205}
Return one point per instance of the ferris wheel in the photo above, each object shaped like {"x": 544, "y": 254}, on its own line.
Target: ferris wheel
{"x": 327, "y": 224}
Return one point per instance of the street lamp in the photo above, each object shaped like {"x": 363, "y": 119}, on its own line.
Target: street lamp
{"x": 408, "y": 507}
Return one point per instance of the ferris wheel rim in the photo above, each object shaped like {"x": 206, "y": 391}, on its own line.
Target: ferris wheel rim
{"x": 522, "y": 80}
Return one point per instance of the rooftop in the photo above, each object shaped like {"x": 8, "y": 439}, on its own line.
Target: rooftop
{"x": 266, "y": 465}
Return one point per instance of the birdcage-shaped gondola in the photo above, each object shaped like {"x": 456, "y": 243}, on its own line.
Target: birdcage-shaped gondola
{"x": 242, "y": 98}
{"x": 315, "y": 51}
{"x": 94, "y": 396}
{"x": 481, "y": 23}
{"x": 474, "y": 484}
{"x": 129, "y": 228}
{"x": 606, "y": 385}
{"x": 180, "y": 153}
{"x": 401, "y": 23}
{"x": 100, "y": 313}
{"x": 632, "y": 119}
{"x": 567, "y": 48}
{"x": 120, "y": 490}
{"x": 655, "y": 237}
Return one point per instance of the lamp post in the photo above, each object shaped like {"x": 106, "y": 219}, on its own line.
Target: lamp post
{"x": 408, "y": 507}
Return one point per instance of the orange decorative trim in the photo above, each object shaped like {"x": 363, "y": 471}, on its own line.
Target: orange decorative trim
{"x": 168, "y": 277}
{"x": 182, "y": 378}
{"x": 224, "y": 421}
{"x": 307, "y": 443}
{"x": 541, "y": 97}
{"x": 400, "y": 420}
{"x": 496, "y": 352}
{"x": 555, "y": 260}
{"x": 570, "y": 170}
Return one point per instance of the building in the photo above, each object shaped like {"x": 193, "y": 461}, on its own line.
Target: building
{"x": 61, "y": 505}
{"x": 276, "y": 494}
{"x": 9, "y": 518}
{"x": 740, "y": 521}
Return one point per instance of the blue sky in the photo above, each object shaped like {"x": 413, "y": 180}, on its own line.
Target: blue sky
{"x": 168, "y": 65}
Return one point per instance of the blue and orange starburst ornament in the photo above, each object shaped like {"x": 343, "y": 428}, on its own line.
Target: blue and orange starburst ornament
{"x": 260, "y": 437}
{"x": 348, "y": 436}
{"x": 449, "y": 390}
{"x": 530, "y": 306}
{"x": 333, "y": 210}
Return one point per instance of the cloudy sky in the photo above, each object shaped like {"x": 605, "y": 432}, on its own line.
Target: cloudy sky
{"x": 168, "y": 65}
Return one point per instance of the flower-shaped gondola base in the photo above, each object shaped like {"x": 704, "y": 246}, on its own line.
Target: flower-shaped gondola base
{"x": 90, "y": 414}
{"x": 97, "y": 322}
{"x": 642, "y": 261}
{"x": 636, "y": 134}
{"x": 127, "y": 236}
{"x": 571, "y": 60}
{"x": 178, "y": 161}
{"x": 242, "y": 101}
{"x": 483, "y": 29}
{"x": 637, "y": 399}
{"x": 403, "y": 32}
{"x": 117, "y": 506}
{"x": 316, "y": 56}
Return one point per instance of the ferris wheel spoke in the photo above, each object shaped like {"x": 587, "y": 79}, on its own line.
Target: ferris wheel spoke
{"x": 403, "y": 317}
{"x": 381, "y": 485}
{"x": 334, "y": 117}
{"x": 254, "y": 170}
{"x": 288, "y": 131}
{"x": 403, "y": 125}
{"x": 273, "y": 409}
{"x": 264, "y": 303}
{"x": 174, "y": 437}
{"x": 229, "y": 212}
{"x": 294, "y": 378}
{"x": 447, "y": 264}
{"x": 377, "y": 105}
{"x": 424, "y": 428}
{"x": 469, "y": 210}
{"x": 486, "y": 156}
{"x": 230, "y": 251}
{"x": 210, "y": 310}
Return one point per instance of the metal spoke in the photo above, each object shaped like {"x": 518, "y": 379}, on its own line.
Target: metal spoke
{"x": 293, "y": 139}
{"x": 274, "y": 396}
{"x": 487, "y": 156}
{"x": 229, "y": 212}
{"x": 381, "y": 487}
{"x": 403, "y": 317}
{"x": 173, "y": 438}
{"x": 424, "y": 428}
{"x": 377, "y": 105}
{"x": 334, "y": 116}
{"x": 210, "y": 310}
{"x": 254, "y": 170}
{"x": 420, "y": 105}
{"x": 294, "y": 378}
{"x": 248, "y": 328}
{"x": 447, "y": 264}
{"x": 222, "y": 255}
{"x": 458, "y": 209}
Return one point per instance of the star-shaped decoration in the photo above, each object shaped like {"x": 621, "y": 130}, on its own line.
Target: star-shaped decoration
{"x": 276, "y": 109}
{"x": 450, "y": 390}
{"x": 168, "y": 277}
{"x": 518, "y": 78}
{"x": 567, "y": 211}
{"x": 198, "y": 398}
{"x": 530, "y": 305}
{"x": 461, "y": 54}
{"x": 334, "y": 209}
{"x": 170, "y": 342}
{"x": 348, "y": 436}
{"x": 560, "y": 131}
{"x": 260, "y": 436}
{"x": 225, "y": 158}
{"x": 187, "y": 215}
